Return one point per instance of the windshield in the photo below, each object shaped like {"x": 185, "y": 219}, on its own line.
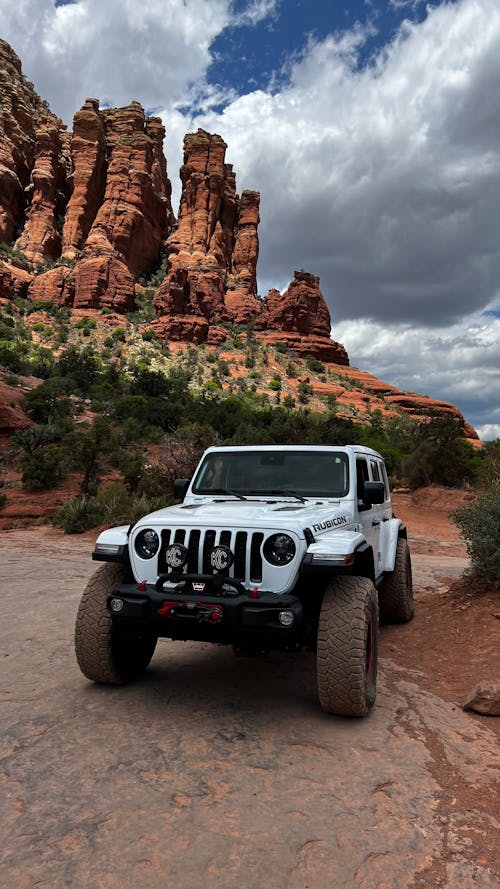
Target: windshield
{"x": 286, "y": 473}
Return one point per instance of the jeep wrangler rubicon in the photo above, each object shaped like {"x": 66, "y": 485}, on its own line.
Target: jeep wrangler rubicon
{"x": 271, "y": 547}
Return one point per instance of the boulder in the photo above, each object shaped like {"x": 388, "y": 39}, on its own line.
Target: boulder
{"x": 484, "y": 699}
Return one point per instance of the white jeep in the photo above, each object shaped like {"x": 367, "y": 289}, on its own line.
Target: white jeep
{"x": 272, "y": 547}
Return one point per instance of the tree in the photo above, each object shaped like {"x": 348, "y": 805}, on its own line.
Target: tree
{"x": 89, "y": 448}
{"x": 442, "y": 456}
{"x": 479, "y": 525}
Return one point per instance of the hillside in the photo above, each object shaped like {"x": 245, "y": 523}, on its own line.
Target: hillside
{"x": 86, "y": 225}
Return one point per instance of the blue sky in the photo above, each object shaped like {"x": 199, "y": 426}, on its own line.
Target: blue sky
{"x": 248, "y": 58}
{"x": 370, "y": 128}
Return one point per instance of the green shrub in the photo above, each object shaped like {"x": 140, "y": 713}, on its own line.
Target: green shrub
{"x": 44, "y": 468}
{"x": 86, "y": 324}
{"x": 315, "y": 365}
{"x": 41, "y": 305}
{"x": 141, "y": 506}
{"x": 13, "y": 357}
{"x": 33, "y": 437}
{"x": 78, "y": 515}
{"x": 47, "y": 402}
{"x": 479, "y": 525}
{"x": 3, "y": 499}
{"x": 9, "y": 252}
{"x": 305, "y": 390}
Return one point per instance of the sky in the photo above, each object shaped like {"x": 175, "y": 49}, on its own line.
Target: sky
{"x": 371, "y": 129}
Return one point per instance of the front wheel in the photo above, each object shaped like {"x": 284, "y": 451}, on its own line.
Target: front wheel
{"x": 347, "y": 649}
{"x": 395, "y": 593}
{"x": 105, "y": 651}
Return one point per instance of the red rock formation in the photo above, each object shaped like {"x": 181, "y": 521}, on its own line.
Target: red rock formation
{"x": 100, "y": 281}
{"x": 421, "y": 406}
{"x": 19, "y": 109}
{"x": 133, "y": 219}
{"x": 12, "y": 416}
{"x": 94, "y": 283}
{"x": 40, "y": 239}
{"x": 53, "y": 286}
{"x": 88, "y": 177}
{"x": 241, "y": 295}
{"x": 181, "y": 328}
{"x": 300, "y": 318}
{"x": 14, "y": 281}
{"x": 213, "y": 252}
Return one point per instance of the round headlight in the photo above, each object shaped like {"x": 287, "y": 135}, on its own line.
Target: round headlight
{"x": 279, "y": 549}
{"x": 147, "y": 543}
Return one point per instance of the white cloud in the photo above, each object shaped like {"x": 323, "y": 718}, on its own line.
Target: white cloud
{"x": 489, "y": 432}
{"x": 384, "y": 181}
{"x": 119, "y": 50}
{"x": 255, "y": 12}
{"x": 459, "y": 363}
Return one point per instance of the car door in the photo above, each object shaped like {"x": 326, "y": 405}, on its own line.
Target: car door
{"x": 370, "y": 516}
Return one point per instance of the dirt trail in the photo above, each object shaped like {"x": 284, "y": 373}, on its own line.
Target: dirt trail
{"x": 224, "y": 771}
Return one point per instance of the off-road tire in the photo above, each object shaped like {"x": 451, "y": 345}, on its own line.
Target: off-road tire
{"x": 395, "y": 595}
{"x": 347, "y": 648}
{"x": 105, "y": 652}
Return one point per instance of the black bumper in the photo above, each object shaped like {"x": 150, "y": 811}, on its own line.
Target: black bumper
{"x": 233, "y": 616}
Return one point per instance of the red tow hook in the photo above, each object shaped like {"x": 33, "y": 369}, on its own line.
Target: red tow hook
{"x": 142, "y": 586}
{"x": 167, "y": 610}
{"x": 255, "y": 593}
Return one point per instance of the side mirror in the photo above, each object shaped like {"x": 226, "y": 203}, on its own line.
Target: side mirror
{"x": 180, "y": 488}
{"x": 374, "y": 492}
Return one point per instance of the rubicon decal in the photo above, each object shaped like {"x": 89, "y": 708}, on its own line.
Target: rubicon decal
{"x": 330, "y": 523}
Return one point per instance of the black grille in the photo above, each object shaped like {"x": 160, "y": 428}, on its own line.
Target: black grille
{"x": 255, "y": 557}
{"x": 200, "y": 543}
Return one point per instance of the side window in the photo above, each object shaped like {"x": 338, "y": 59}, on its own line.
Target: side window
{"x": 361, "y": 477}
{"x": 383, "y": 476}
{"x": 375, "y": 472}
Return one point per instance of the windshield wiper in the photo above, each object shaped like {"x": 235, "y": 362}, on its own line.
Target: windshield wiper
{"x": 280, "y": 492}
{"x": 222, "y": 491}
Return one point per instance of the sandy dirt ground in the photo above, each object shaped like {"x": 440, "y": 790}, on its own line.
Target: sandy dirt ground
{"x": 224, "y": 772}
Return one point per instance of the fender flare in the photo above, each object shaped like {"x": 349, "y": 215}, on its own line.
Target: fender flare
{"x": 393, "y": 530}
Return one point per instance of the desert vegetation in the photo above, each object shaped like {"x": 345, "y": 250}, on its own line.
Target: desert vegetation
{"x": 124, "y": 416}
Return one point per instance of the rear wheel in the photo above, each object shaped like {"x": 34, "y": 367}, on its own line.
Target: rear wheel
{"x": 105, "y": 651}
{"x": 347, "y": 648}
{"x": 395, "y": 593}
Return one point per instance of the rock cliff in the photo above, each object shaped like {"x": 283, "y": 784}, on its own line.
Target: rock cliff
{"x": 29, "y": 137}
{"x": 87, "y": 216}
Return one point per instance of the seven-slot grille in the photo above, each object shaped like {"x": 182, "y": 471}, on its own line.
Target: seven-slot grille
{"x": 246, "y": 548}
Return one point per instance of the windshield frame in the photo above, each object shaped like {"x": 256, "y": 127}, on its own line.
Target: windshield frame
{"x": 281, "y": 487}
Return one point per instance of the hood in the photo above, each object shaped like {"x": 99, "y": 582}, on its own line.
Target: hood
{"x": 323, "y": 515}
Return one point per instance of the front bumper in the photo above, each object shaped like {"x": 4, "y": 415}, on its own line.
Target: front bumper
{"x": 223, "y": 613}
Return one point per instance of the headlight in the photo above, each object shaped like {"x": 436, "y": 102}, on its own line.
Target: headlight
{"x": 147, "y": 543}
{"x": 279, "y": 549}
